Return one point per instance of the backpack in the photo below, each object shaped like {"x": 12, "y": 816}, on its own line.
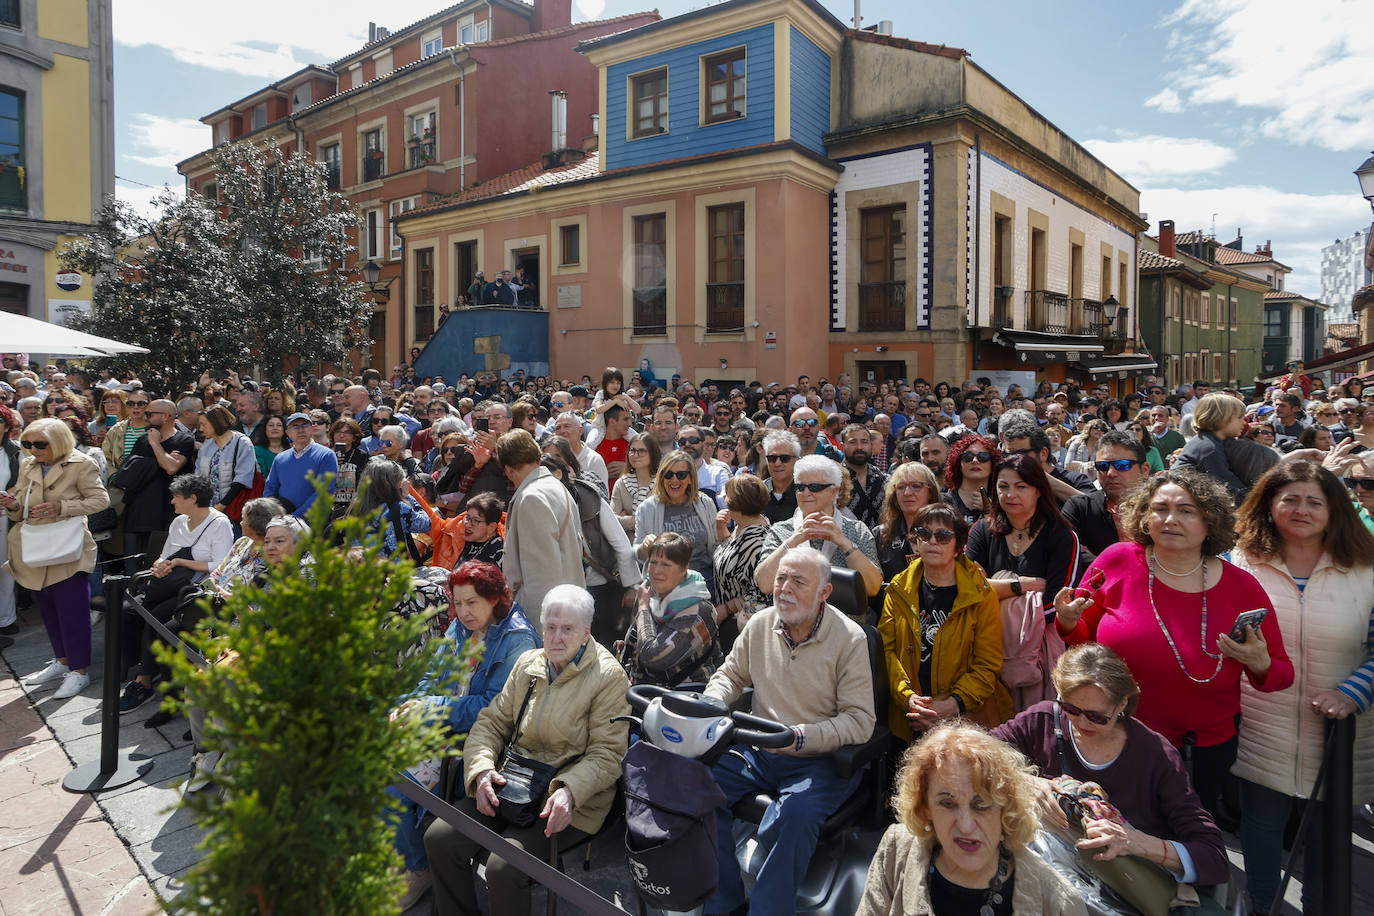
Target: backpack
{"x": 597, "y": 552}
{"x": 670, "y": 826}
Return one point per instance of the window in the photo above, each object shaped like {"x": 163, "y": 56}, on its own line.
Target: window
{"x": 1216, "y": 368}
{"x": 329, "y": 155}
{"x": 313, "y": 257}
{"x": 259, "y": 115}
{"x": 421, "y": 139}
{"x": 382, "y": 64}
{"x": 432, "y": 43}
{"x": 300, "y": 96}
{"x": 570, "y": 245}
{"x": 221, "y": 132}
{"x": 424, "y": 293}
{"x": 1235, "y": 314}
{"x": 210, "y": 191}
{"x": 466, "y": 32}
{"x": 650, "y": 93}
{"x": 1206, "y": 309}
{"x": 397, "y": 208}
{"x": 651, "y": 274}
{"x": 1274, "y": 323}
{"x": 725, "y": 268}
{"x": 465, "y": 260}
{"x": 1105, "y": 278}
{"x": 374, "y": 157}
{"x": 1002, "y": 280}
{"x": 483, "y": 30}
{"x": 882, "y": 271}
{"x": 1232, "y": 376}
{"x": 355, "y": 76}
{"x": 372, "y": 235}
{"x": 9, "y": 13}
{"x": 725, "y": 86}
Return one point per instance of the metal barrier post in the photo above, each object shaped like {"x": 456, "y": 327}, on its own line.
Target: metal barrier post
{"x": 1338, "y": 808}
{"x": 112, "y": 770}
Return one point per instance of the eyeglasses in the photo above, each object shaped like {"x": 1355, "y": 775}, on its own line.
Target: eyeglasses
{"x": 638, "y": 451}
{"x": 980, "y": 457}
{"x": 1120, "y": 464}
{"x": 814, "y": 487}
{"x": 379, "y": 421}
{"x": 452, "y": 450}
{"x": 689, "y": 440}
{"x": 677, "y": 475}
{"x": 781, "y": 459}
{"x": 1349, "y": 410}
{"x": 800, "y": 424}
{"x": 34, "y": 443}
{"x": 558, "y": 403}
{"x": 1364, "y": 483}
{"x": 336, "y": 391}
{"x": 1096, "y": 718}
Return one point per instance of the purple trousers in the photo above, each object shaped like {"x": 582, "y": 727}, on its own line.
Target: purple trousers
{"x": 66, "y": 610}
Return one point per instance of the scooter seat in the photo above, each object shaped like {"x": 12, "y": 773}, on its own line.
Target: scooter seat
{"x": 752, "y": 808}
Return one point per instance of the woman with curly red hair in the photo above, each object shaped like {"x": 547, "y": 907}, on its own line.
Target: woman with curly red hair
{"x": 968, "y": 471}
{"x": 482, "y": 610}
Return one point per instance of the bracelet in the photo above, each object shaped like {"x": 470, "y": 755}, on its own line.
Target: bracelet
{"x": 1016, "y": 587}
{"x": 801, "y": 737}
{"x": 851, "y": 549}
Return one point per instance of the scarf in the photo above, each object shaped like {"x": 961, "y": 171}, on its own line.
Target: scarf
{"x": 692, "y": 590}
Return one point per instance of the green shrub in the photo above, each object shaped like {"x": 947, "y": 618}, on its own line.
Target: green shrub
{"x": 302, "y": 718}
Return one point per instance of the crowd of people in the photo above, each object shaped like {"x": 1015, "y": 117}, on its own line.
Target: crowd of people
{"x": 1165, "y": 593}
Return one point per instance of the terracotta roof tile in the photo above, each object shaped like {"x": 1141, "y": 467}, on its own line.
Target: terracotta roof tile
{"x": 1232, "y": 256}
{"x": 1195, "y": 237}
{"x": 529, "y": 178}
{"x": 907, "y": 43}
{"x": 1153, "y": 260}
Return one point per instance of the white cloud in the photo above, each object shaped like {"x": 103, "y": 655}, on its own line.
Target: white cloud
{"x": 1166, "y": 100}
{"x": 1307, "y": 69}
{"x": 591, "y": 8}
{"x": 142, "y": 199}
{"x": 1146, "y": 158}
{"x": 1298, "y": 224}
{"x": 163, "y": 142}
{"x": 232, "y": 39}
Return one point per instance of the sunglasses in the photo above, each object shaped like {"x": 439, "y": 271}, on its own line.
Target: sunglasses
{"x": 1024, "y": 451}
{"x": 380, "y": 421}
{"x": 781, "y": 459}
{"x": 1096, "y": 718}
{"x": 689, "y": 440}
{"x": 814, "y": 487}
{"x": 33, "y": 443}
{"x": 452, "y": 450}
{"x": 1121, "y": 464}
{"x": 980, "y": 457}
{"x": 800, "y": 424}
{"x": 388, "y": 443}
{"x": 1348, "y": 410}
{"x": 139, "y": 403}
{"x": 1364, "y": 483}
{"x": 677, "y": 475}
{"x": 937, "y": 536}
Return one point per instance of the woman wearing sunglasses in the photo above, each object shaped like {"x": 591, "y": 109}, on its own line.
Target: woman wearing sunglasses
{"x": 677, "y": 505}
{"x": 1141, "y": 432}
{"x": 910, "y": 488}
{"x": 968, "y": 470}
{"x": 56, "y": 482}
{"x": 1090, "y": 733}
{"x": 942, "y": 633}
{"x": 120, "y": 438}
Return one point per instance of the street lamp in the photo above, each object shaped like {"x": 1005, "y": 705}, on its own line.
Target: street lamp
{"x": 1110, "y": 309}
{"x": 371, "y": 274}
{"x": 1366, "y": 175}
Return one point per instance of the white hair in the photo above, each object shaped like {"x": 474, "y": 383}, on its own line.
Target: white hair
{"x": 572, "y": 598}
{"x": 825, "y": 467}
{"x": 807, "y": 552}
{"x": 396, "y": 433}
{"x": 782, "y": 437}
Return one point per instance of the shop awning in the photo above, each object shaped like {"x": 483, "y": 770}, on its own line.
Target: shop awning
{"x": 1125, "y": 362}
{"x": 22, "y": 334}
{"x": 1044, "y": 347}
{"x": 1328, "y": 363}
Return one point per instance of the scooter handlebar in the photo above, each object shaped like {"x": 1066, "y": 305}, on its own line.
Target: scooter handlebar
{"x": 640, "y": 695}
{"x": 756, "y": 732}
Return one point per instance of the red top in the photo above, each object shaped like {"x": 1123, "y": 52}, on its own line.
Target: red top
{"x": 1170, "y": 703}
{"x": 613, "y": 450}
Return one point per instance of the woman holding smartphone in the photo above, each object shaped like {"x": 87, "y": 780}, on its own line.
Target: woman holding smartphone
{"x": 1301, "y": 537}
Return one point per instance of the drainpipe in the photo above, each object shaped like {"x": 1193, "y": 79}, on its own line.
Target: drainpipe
{"x": 294, "y": 127}
{"x": 462, "y": 119}
{"x": 491, "y": 26}
{"x": 977, "y": 204}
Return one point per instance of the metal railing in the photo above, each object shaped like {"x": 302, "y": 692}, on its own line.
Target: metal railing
{"x": 882, "y": 306}
{"x": 1058, "y": 313}
{"x": 373, "y": 168}
{"x": 651, "y": 310}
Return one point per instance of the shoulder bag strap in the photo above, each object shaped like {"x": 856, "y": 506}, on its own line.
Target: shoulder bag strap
{"x": 402, "y": 535}
{"x": 28, "y": 494}
{"x": 519, "y": 717}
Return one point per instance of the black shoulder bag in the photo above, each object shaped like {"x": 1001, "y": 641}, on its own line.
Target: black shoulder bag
{"x": 393, "y": 511}
{"x": 527, "y": 779}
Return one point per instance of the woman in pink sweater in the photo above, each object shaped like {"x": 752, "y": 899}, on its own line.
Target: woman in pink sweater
{"x": 1169, "y": 606}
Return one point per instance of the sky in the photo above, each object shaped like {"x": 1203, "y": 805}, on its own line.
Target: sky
{"x": 1228, "y": 115}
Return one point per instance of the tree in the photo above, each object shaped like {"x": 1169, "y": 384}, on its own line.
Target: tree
{"x": 302, "y": 719}
{"x": 261, "y": 275}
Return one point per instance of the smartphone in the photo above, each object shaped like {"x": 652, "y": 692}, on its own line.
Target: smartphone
{"x": 1247, "y": 620}
{"x": 1090, "y": 584}
{"x": 482, "y": 424}
{"x": 1357, "y": 450}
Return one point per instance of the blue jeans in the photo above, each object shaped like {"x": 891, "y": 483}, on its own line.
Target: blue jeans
{"x": 1264, "y": 816}
{"x": 806, "y": 791}
{"x": 410, "y": 839}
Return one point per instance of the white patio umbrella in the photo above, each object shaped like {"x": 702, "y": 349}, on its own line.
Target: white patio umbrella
{"x": 22, "y": 334}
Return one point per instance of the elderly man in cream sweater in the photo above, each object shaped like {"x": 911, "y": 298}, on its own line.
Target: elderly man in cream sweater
{"x": 808, "y": 664}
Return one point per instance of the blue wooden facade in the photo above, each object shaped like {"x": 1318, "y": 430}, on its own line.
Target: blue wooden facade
{"x": 810, "y": 92}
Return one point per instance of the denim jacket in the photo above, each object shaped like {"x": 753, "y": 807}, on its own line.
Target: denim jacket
{"x": 506, "y": 640}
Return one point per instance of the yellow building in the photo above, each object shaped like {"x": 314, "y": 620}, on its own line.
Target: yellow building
{"x": 56, "y": 146}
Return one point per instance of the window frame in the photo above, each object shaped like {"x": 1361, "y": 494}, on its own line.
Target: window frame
{"x": 432, "y": 40}
{"x": 634, "y": 81}
{"x": 260, "y": 108}
{"x": 395, "y": 243}
{"x": 15, "y": 173}
{"x": 727, "y": 56}
{"x": 571, "y": 231}
{"x": 373, "y": 234}
{"x": 734, "y": 238}
{"x": 887, "y": 213}
{"x": 333, "y": 165}
{"x": 640, "y": 266}
{"x": 425, "y": 281}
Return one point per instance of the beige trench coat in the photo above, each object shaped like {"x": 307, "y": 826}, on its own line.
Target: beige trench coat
{"x": 75, "y": 483}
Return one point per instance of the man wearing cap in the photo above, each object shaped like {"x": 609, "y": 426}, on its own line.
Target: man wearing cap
{"x": 291, "y": 480}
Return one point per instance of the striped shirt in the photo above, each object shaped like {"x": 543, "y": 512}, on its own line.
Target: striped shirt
{"x": 1360, "y": 685}
{"x": 131, "y": 435}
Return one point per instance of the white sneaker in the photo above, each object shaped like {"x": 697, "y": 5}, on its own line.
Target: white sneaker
{"x": 73, "y": 682}
{"x": 202, "y": 771}
{"x": 55, "y": 671}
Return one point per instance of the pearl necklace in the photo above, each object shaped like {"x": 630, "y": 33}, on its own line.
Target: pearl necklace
{"x": 1179, "y": 575}
{"x": 1202, "y": 640}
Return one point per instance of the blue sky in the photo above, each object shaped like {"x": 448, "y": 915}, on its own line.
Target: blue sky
{"x": 1252, "y": 113}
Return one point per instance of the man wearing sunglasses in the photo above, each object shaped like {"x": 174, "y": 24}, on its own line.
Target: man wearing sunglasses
{"x": 162, "y": 453}
{"x": 711, "y": 474}
{"x": 1121, "y": 467}
{"x": 807, "y": 427}
{"x": 1028, "y": 438}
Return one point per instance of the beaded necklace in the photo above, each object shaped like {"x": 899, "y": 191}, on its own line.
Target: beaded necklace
{"x": 1202, "y": 641}
{"x": 992, "y": 897}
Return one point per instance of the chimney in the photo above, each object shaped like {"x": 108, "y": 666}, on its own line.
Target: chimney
{"x": 560, "y": 119}
{"x": 550, "y": 14}
{"x": 885, "y": 27}
{"x": 371, "y": 32}
{"x": 1166, "y": 239}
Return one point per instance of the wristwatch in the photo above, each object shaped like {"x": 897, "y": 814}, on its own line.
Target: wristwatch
{"x": 1016, "y": 588}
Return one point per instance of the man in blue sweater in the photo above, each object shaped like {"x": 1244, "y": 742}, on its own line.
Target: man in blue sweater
{"x": 291, "y": 480}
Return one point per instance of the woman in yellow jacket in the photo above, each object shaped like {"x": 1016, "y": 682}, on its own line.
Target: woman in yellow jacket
{"x": 942, "y": 633}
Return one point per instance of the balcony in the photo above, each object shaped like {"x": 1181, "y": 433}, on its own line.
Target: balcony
{"x": 374, "y": 167}
{"x": 1056, "y": 313}
{"x": 331, "y": 176}
{"x": 650, "y": 310}
{"x": 882, "y": 306}
{"x": 422, "y": 154}
{"x": 1003, "y": 315}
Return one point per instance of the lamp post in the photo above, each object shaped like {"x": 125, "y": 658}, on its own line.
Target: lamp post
{"x": 1366, "y": 175}
{"x": 371, "y": 275}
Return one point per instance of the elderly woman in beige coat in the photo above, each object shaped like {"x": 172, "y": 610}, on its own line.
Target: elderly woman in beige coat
{"x": 56, "y": 482}
{"x": 574, "y": 688}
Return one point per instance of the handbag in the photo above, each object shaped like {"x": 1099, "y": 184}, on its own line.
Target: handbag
{"x": 53, "y": 544}
{"x": 527, "y": 779}
{"x": 169, "y": 586}
{"x": 234, "y": 508}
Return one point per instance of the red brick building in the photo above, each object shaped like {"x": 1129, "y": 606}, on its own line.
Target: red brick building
{"x": 421, "y": 112}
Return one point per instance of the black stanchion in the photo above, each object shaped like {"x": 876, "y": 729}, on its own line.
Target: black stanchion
{"x": 113, "y": 769}
{"x": 1338, "y": 808}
